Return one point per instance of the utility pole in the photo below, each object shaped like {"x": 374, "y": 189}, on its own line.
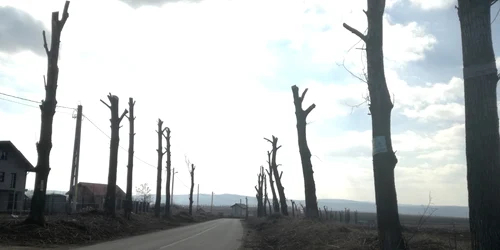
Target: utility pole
{"x": 246, "y": 208}
{"x": 198, "y": 198}
{"x": 212, "y": 202}
{"x": 172, "y": 196}
{"x": 76, "y": 159}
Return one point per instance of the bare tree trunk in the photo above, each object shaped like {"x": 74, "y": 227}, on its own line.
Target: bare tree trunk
{"x": 48, "y": 109}
{"x": 160, "y": 151}
{"x": 305, "y": 153}
{"x": 110, "y": 202}
{"x": 168, "y": 212}
{"x": 277, "y": 177}
{"x": 276, "y": 204}
{"x": 259, "y": 195}
{"x": 384, "y": 158}
{"x": 191, "y": 190}
{"x": 481, "y": 123}
{"x": 264, "y": 183}
{"x": 130, "y": 165}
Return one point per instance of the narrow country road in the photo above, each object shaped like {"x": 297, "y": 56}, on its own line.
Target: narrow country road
{"x": 221, "y": 234}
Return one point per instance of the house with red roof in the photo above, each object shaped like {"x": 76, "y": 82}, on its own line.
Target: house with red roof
{"x": 93, "y": 195}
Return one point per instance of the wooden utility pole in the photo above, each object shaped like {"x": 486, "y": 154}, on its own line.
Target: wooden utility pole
{"x": 212, "y": 202}
{"x": 76, "y": 160}
{"x": 130, "y": 165}
{"x": 246, "y": 207}
{"x": 198, "y": 198}
{"x": 48, "y": 109}
{"x": 172, "y": 196}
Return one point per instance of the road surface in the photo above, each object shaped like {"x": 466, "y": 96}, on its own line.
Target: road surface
{"x": 221, "y": 234}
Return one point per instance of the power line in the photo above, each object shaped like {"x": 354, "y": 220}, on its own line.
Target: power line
{"x": 32, "y": 101}
{"x": 121, "y": 147}
{"x": 181, "y": 181}
{"x": 64, "y": 107}
{"x": 28, "y": 105}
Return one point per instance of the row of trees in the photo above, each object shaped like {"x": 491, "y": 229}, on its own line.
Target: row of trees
{"x": 481, "y": 125}
{"x": 44, "y": 146}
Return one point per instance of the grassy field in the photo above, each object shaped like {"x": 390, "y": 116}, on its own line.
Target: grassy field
{"x": 277, "y": 232}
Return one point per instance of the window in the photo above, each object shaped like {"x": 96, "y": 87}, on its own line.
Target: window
{"x": 3, "y": 155}
{"x": 13, "y": 180}
{"x": 2, "y": 176}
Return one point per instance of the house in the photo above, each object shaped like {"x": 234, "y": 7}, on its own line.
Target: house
{"x": 94, "y": 194}
{"x": 238, "y": 210}
{"x": 14, "y": 168}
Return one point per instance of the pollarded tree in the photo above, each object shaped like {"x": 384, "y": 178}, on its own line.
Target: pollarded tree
{"x": 276, "y": 204}
{"x": 48, "y": 109}
{"x": 110, "y": 202}
{"x": 277, "y": 177}
{"x": 305, "y": 153}
{"x": 130, "y": 165}
{"x": 384, "y": 158}
{"x": 160, "y": 152}
{"x": 191, "y": 172}
{"x": 481, "y": 123}
{"x": 168, "y": 211}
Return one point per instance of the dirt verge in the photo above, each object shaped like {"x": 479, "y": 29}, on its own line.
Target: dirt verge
{"x": 295, "y": 234}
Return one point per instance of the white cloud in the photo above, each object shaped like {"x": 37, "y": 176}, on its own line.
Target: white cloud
{"x": 199, "y": 68}
{"x": 433, "y": 5}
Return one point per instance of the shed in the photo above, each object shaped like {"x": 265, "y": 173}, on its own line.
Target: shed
{"x": 238, "y": 210}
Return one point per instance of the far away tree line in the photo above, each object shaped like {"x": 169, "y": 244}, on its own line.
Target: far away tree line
{"x": 481, "y": 125}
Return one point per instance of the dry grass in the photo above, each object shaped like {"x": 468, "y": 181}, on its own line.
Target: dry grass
{"x": 84, "y": 228}
{"x": 294, "y": 234}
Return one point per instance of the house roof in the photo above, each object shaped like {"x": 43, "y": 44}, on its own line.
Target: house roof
{"x": 97, "y": 189}
{"x": 239, "y": 205}
{"x": 9, "y": 147}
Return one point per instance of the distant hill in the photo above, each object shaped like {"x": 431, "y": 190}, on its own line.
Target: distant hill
{"x": 336, "y": 204}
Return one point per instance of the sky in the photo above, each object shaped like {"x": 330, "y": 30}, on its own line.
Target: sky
{"x": 219, "y": 74}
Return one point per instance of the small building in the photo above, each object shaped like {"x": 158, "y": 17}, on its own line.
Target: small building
{"x": 238, "y": 210}
{"x": 14, "y": 168}
{"x": 55, "y": 203}
{"x": 94, "y": 194}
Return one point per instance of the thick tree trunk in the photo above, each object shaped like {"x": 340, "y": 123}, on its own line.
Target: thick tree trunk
{"x": 384, "y": 158}
{"x": 276, "y": 204}
{"x": 130, "y": 165}
{"x": 481, "y": 123}
{"x": 191, "y": 190}
{"x": 277, "y": 177}
{"x": 110, "y": 202}
{"x": 48, "y": 109}
{"x": 305, "y": 153}
{"x": 158, "y": 174}
{"x": 168, "y": 212}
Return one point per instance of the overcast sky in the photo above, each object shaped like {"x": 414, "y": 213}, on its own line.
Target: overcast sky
{"x": 219, "y": 73}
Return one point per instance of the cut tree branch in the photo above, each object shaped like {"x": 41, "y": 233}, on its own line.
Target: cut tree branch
{"x": 355, "y": 31}
{"x": 45, "y": 44}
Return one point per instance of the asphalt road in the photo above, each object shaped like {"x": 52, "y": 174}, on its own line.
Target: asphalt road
{"x": 221, "y": 234}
